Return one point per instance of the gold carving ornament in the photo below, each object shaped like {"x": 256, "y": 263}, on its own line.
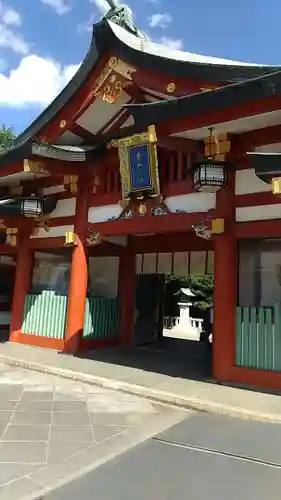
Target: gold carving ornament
{"x": 34, "y": 167}
{"x": 12, "y": 234}
{"x": 114, "y": 78}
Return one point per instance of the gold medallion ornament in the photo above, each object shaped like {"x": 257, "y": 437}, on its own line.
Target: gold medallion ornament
{"x": 62, "y": 123}
{"x": 171, "y": 87}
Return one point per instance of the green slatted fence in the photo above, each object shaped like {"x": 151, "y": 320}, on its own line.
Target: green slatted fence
{"x": 101, "y": 320}
{"x": 45, "y": 315}
{"x": 258, "y": 337}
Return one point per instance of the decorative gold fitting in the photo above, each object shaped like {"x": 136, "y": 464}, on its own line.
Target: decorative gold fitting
{"x": 217, "y": 226}
{"x": 276, "y": 185}
{"x": 216, "y": 146}
{"x": 34, "y": 167}
{"x": 62, "y": 123}
{"x": 171, "y": 87}
{"x": 94, "y": 239}
{"x": 12, "y": 233}
{"x": 70, "y": 239}
{"x": 72, "y": 182}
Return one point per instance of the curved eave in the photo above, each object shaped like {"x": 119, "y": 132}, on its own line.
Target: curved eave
{"x": 204, "y": 102}
{"x": 266, "y": 165}
{"x": 45, "y": 151}
{"x": 175, "y": 63}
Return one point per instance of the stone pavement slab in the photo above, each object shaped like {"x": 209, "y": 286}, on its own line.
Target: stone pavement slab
{"x": 51, "y": 428}
{"x": 168, "y": 386}
{"x": 192, "y": 460}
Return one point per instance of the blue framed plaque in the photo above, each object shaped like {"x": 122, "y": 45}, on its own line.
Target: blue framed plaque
{"x": 138, "y": 164}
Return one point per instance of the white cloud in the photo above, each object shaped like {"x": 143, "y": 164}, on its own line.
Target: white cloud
{"x": 87, "y": 26}
{"x": 171, "y": 43}
{"x": 11, "y": 16}
{"x": 36, "y": 81}
{"x": 60, "y": 6}
{"x": 9, "y": 38}
{"x": 102, "y": 5}
{"x": 160, "y": 20}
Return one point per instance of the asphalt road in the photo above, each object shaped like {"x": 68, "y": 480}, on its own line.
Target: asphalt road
{"x": 204, "y": 457}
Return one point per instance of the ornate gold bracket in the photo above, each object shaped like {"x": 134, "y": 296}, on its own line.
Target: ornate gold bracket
{"x": 71, "y": 182}
{"x": 114, "y": 78}
{"x": 94, "y": 239}
{"x": 34, "y": 167}
{"x": 71, "y": 239}
{"x": 216, "y": 146}
{"x": 276, "y": 186}
{"x": 12, "y": 233}
{"x": 208, "y": 227}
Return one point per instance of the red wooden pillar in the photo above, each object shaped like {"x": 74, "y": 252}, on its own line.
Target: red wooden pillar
{"x": 225, "y": 285}
{"x": 79, "y": 274}
{"x": 21, "y": 287}
{"x": 127, "y": 277}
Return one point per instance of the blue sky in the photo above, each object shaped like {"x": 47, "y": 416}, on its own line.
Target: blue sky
{"x": 42, "y": 42}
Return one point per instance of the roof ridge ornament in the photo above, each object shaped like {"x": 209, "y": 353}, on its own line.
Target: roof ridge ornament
{"x": 122, "y": 15}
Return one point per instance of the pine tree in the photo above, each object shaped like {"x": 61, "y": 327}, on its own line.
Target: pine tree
{"x": 7, "y": 137}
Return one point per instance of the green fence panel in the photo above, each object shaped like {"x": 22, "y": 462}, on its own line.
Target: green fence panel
{"x": 277, "y": 338}
{"x": 45, "y": 315}
{"x": 268, "y": 357}
{"x": 245, "y": 336}
{"x": 253, "y": 338}
{"x": 261, "y": 339}
{"x": 101, "y": 320}
{"x": 239, "y": 337}
{"x": 258, "y": 337}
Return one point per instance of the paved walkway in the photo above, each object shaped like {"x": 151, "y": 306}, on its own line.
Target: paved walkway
{"x": 53, "y": 430}
{"x": 124, "y": 371}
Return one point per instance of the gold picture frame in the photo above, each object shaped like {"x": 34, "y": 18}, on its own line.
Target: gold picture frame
{"x": 125, "y": 147}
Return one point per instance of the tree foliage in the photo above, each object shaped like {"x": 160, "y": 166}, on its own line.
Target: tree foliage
{"x": 202, "y": 286}
{"x": 7, "y": 137}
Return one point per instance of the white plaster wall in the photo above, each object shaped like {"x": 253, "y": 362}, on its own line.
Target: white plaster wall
{"x": 193, "y": 202}
{"x": 64, "y": 208}
{"x": 247, "y": 182}
{"x": 103, "y": 213}
{"x": 54, "y": 232}
{"x": 260, "y": 212}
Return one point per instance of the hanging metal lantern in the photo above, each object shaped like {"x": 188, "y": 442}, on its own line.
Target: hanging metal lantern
{"x": 209, "y": 175}
{"x": 32, "y": 206}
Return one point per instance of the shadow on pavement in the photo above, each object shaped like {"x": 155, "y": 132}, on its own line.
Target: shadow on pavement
{"x": 173, "y": 357}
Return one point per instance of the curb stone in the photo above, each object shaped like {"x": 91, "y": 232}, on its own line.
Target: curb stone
{"x": 157, "y": 396}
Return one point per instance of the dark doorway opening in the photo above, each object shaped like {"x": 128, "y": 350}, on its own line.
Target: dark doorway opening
{"x": 169, "y": 335}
